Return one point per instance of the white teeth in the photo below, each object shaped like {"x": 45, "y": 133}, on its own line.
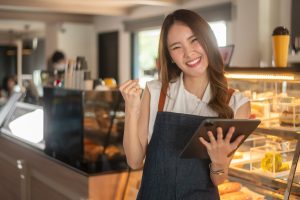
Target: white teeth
{"x": 193, "y": 61}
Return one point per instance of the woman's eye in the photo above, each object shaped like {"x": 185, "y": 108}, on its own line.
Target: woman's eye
{"x": 174, "y": 48}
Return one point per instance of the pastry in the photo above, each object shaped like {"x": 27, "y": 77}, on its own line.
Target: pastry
{"x": 238, "y": 155}
{"x": 229, "y": 187}
{"x": 278, "y": 166}
{"x": 260, "y": 109}
{"x": 92, "y": 150}
{"x": 90, "y": 123}
{"x": 112, "y": 150}
{"x": 264, "y": 95}
{"x": 287, "y": 118}
{"x": 236, "y": 196}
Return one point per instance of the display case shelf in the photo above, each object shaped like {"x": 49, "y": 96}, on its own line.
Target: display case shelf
{"x": 269, "y": 84}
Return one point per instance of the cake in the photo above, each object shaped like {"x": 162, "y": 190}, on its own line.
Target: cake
{"x": 290, "y": 114}
{"x": 287, "y": 118}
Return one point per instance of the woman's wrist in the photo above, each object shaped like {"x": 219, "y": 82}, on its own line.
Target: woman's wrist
{"x": 219, "y": 171}
{"x": 133, "y": 113}
{"x": 218, "y": 166}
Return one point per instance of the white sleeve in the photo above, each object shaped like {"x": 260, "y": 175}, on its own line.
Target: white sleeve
{"x": 237, "y": 100}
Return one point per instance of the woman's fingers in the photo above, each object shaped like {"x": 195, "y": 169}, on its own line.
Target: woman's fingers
{"x": 205, "y": 143}
{"x": 237, "y": 141}
{"x": 219, "y": 135}
{"x": 229, "y": 135}
{"x": 127, "y": 87}
{"x": 134, "y": 90}
{"x": 212, "y": 138}
{"x": 121, "y": 88}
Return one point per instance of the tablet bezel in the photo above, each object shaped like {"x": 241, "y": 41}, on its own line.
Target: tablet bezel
{"x": 195, "y": 149}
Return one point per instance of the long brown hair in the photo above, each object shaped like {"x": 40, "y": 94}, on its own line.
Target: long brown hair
{"x": 202, "y": 31}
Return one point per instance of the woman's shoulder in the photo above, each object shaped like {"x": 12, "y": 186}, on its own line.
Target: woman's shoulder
{"x": 238, "y": 99}
{"x": 153, "y": 85}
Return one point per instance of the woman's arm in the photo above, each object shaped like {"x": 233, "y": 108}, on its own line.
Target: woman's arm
{"x": 244, "y": 111}
{"x": 218, "y": 148}
{"x": 136, "y": 124}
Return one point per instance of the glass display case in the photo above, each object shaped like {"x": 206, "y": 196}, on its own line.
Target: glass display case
{"x": 15, "y": 117}
{"x": 266, "y": 165}
{"x": 83, "y": 129}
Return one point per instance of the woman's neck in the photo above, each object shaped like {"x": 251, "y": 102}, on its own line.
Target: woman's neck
{"x": 196, "y": 85}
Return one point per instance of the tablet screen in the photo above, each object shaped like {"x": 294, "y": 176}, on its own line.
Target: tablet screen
{"x": 195, "y": 149}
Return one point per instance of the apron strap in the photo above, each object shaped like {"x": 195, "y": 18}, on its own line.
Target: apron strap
{"x": 163, "y": 94}
{"x": 230, "y": 91}
{"x": 162, "y": 99}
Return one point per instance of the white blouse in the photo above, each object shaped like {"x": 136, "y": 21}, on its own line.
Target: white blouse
{"x": 179, "y": 100}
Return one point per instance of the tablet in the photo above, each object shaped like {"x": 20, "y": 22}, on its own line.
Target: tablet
{"x": 195, "y": 149}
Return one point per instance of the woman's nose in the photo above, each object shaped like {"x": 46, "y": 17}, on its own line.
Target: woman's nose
{"x": 188, "y": 50}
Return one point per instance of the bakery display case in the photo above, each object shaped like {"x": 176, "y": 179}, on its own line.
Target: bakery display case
{"x": 85, "y": 128}
{"x": 68, "y": 148}
{"x": 266, "y": 164}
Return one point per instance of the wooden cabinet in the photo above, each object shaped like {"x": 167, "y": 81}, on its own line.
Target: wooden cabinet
{"x": 10, "y": 178}
{"x": 27, "y": 173}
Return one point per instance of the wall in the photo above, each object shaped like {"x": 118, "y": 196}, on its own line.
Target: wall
{"x": 78, "y": 40}
{"x": 244, "y": 33}
{"x": 74, "y": 39}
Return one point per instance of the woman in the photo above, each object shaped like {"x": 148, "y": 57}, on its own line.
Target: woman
{"x": 192, "y": 87}
{"x": 57, "y": 62}
{"x": 9, "y": 83}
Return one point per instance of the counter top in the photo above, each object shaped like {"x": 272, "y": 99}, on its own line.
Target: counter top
{"x": 86, "y": 169}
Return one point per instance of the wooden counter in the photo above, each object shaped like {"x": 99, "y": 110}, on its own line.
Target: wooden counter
{"x": 26, "y": 173}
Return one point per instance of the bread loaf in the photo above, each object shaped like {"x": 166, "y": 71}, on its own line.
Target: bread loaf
{"x": 236, "y": 196}
{"x": 228, "y": 187}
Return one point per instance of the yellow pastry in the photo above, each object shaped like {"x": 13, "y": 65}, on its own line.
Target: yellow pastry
{"x": 267, "y": 162}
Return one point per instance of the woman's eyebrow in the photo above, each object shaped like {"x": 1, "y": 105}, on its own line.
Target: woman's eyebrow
{"x": 175, "y": 43}
{"x": 191, "y": 37}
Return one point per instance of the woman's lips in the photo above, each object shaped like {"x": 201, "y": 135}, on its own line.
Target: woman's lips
{"x": 194, "y": 62}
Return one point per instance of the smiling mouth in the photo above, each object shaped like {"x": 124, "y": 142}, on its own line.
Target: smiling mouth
{"x": 194, "y": 62}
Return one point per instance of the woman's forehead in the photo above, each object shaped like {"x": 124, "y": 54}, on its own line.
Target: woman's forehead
{"x": 179, "y": 31}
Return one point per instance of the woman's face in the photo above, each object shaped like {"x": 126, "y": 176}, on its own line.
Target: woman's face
{"x": 10, "y": 84}
{"x": 186, "y": 51}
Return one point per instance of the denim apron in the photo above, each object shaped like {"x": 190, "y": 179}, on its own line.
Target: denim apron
{"x": 166, "y": 176}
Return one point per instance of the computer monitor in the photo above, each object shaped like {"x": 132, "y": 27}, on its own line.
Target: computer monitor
{"x": 226, "y": 53}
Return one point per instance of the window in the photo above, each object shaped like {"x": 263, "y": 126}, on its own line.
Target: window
{"x": 145, "y": 55}
{"x": 219, "y": 28}
{"x": 145, "y": 49}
